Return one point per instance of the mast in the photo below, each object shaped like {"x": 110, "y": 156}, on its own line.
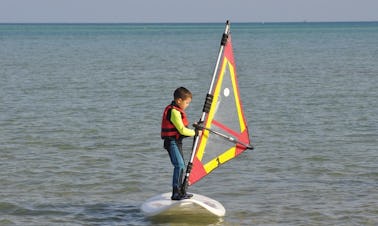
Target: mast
{"x": 207, "y": 105}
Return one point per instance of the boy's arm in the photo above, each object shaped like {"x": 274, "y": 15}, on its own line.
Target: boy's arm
{"x": 177, "y": 122}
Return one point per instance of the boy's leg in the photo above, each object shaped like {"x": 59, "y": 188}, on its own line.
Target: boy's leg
{"x": 178, "y": 163}
{"x": 184, "y": 195}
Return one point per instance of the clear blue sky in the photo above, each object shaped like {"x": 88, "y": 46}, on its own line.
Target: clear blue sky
{"x": 187, "y": 10}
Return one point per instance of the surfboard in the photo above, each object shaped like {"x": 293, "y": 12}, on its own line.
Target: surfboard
{"x": 199, "y": 204}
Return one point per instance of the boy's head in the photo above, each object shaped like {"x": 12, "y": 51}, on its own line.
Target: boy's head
{"x": 182, "y": 97}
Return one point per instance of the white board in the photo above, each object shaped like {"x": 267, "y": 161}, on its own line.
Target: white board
{"x": 162, "y": 204}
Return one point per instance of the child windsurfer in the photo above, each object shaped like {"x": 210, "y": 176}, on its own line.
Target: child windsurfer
{"x": 173, "y": 130}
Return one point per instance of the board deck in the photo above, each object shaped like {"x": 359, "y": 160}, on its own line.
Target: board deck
{"x": 198, "y": 204}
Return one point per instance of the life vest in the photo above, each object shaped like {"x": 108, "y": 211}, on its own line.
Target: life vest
{"x": 168, "y": 130}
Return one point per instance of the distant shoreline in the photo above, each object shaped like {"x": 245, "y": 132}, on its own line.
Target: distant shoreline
{"x": 180, "y": 23}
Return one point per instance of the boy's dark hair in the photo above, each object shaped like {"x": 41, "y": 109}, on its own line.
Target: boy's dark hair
{"x": 182, "y": 93}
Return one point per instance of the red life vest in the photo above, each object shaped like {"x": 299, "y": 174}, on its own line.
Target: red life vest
{"x": 168, "y": 130}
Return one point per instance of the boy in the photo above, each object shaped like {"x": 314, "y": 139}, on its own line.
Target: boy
{"x": 173, "y": 130}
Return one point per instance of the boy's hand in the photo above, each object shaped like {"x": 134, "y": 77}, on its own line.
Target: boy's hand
{"x": 198, "y": 128}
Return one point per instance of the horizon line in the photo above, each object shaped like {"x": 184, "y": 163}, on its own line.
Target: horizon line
{"x": 204, "y": 22}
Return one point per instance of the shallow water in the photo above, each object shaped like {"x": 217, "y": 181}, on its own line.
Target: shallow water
{"x": 80, "y": 109}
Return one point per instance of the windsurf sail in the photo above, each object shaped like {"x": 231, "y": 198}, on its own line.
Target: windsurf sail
{"x": 225, "y": 131}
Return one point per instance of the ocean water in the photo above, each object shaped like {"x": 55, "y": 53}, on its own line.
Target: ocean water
{"x": 81, "y": 104}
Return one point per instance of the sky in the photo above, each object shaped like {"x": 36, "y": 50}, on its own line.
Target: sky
{"x": 155, "y": 11}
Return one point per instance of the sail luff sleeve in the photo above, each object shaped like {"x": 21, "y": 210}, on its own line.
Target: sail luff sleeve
{"x": 224, "y": 128}
{"x": 223, "y": 43}
{"x": 206, "y": 105}
{"x": 226, "y": 31}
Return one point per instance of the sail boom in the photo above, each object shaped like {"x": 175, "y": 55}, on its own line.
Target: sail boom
{"x": 230, "y": 138}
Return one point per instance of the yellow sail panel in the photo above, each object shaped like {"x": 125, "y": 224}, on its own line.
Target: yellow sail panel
{"x": 229, "y": 154}
{"x": 237, "y": 101}
{"x": 202, "y": 145}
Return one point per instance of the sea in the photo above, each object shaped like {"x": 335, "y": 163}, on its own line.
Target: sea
{"x": 81, "y": 106}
